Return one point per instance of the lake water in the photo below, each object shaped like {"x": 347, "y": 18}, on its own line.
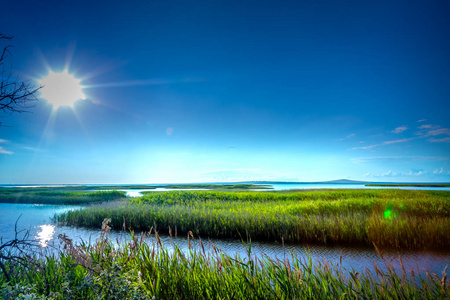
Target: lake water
{"x": 37, "y": 219}
{"x": 138, "y": 192}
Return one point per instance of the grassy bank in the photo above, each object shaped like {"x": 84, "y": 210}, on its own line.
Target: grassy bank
{"x": 51, "y": 197}
{"x": 136, "y": 270}
{"x": 390, "y": 218}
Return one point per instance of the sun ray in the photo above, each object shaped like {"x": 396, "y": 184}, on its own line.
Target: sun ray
{"x": 129, "y": 83}
{"x": 103, "y": 69}
{"x": 43, "y": 60}
{"x": 82, "y": 126}
{"x": 69, "y": 55}
{"x": 47, "y": 133}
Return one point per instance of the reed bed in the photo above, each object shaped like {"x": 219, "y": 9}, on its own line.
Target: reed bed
{"x": 67, "y": 198}
{"x": 390, "y": 218}
{"x": 137, "y": 270}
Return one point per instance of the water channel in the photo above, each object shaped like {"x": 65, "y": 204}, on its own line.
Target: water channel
{"x": 37, "y": 220}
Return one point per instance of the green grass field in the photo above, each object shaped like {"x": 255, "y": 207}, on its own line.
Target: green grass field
{"x": 389, "y": 218}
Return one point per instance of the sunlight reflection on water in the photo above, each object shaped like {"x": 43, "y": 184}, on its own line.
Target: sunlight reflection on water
{"x": 45, "y": 234}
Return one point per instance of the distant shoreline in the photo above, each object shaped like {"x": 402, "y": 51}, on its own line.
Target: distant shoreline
{"x": 411, "y": 184}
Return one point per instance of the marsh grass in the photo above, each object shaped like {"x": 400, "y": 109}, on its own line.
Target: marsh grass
{"x": 92, "y": 188}
{"x": 138, "y": 270}
{"x": 390, "y": 218}
{"x": 57, "y": 197}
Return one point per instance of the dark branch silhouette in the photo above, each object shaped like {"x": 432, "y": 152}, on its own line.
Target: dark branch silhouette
{"x": 16, "y": 95}
{"x": 17, "y": 251}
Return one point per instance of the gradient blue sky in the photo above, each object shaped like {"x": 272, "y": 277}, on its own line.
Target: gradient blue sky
{"x": 188, "y": 91}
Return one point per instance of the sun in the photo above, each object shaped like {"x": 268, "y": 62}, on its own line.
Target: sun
{"x": 61, "y": 88}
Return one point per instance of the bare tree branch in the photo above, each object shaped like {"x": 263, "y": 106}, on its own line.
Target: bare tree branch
{"x": 16, "y": 95}
{"x": 18, "y": 250}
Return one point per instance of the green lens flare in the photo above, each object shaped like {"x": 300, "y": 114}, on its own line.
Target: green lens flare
{"x": 387, "y": 213}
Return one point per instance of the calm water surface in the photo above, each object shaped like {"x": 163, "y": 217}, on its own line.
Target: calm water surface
{"x": 138, "y": 193}
{"x": 37, "y": 219}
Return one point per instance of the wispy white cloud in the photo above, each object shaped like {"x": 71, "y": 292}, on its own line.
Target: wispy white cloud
{"x": 425, "y": 131}
{"x": 391, "y": 173}
{"x": 427, "y": 126}
{"x": 347, "y": 137}
{"x": 439, "y": 171}
{"x": 431, "y": 130}
{"x": 397, "y": 141}
{"x": 33, "y": 149}
{"x": 422, "y": 120}
{"x": 4, "y": 151}
{"x": 416, "y": 173}
{"x": 443, "y": 140}
{"x": 439, "y": 131}
{"x": 365, "y": 147}
{"x": 383, "y": 143}
{"x": 400, "y": 129}
{"x": 4, "y": 141}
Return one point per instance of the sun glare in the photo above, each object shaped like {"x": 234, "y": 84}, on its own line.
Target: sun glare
{"x": 61, "y": 88}
{"x": 45, "y": 234}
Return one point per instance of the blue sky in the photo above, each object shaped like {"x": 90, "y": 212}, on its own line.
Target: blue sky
{"x": 185, "y": 91}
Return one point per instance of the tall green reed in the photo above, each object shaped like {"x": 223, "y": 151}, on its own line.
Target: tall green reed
{"x": 391, "y": 218}
{"x": 137, "y": 270}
